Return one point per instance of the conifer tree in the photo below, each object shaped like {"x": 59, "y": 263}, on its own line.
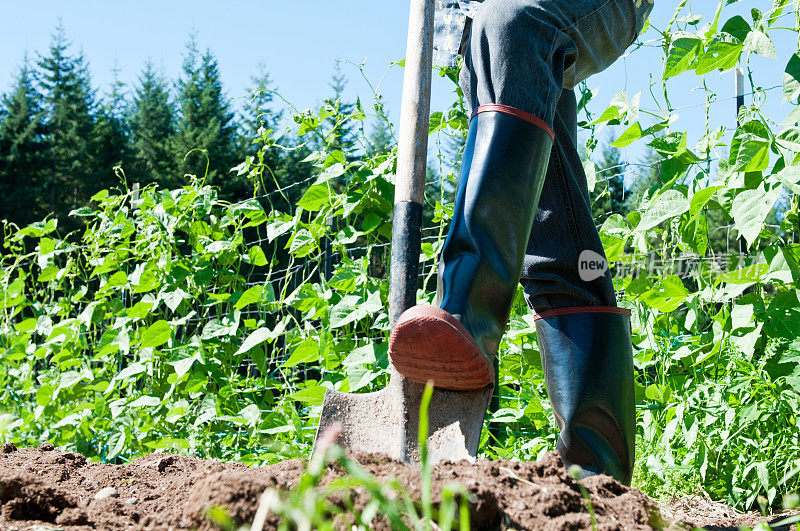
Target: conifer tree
{"x": 152, "y": 128}
{"x": 380, "y": 138}
{"x": 259, "y": 111}
{"x": 609, "y": 192}
{"x": 23, "y": 155}
{"x": 112, "y": 134}
{"x": 69, "y": 104}
{"x": 206, "y": 123}
{"x": 344, "y": 135}
{"x": 257, "y": 118}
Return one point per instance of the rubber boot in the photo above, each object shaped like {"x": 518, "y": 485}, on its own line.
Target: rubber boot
{"x": 588, "y": 367}
{"x": 504, "y": 166}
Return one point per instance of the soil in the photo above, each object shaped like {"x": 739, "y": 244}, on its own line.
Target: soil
{"x": 48, "y": 489}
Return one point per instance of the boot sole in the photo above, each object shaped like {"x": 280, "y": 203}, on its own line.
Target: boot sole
{"x": 428, "y": 343}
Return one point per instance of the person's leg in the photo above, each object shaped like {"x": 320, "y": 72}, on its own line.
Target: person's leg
{"x": 564, "y": 228}
{"x": 584, "y": 340}
{"x": 503, "y": 168}
{"x": 520, "y": 55}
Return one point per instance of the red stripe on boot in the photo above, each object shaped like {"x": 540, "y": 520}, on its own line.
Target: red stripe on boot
{"x": 513, "y": 111}
{"x": 581, "y": 309}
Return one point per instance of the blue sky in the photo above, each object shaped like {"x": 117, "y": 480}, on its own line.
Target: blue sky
{"x": 299, "y": 41}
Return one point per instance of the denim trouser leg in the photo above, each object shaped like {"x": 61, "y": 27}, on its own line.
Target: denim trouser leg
{"x": 563, "y": 227}
{"x": 529, "y": 54}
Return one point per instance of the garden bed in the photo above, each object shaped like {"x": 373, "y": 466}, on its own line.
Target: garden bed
{"x": 46, "y": 488}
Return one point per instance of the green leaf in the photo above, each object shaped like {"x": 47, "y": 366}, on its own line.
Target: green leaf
{"x": 347, "y": 311}
{"x": 252, "y": 414}
{"x": 789, "y": 139}
{"x": 302, "y": 243}
{"x": 27, "y": 325}
{"x": 721, "y": 55}
{"x": 361, "y": 356}
{"x": 278, "y": 228}
{"x": 507, "y": 415}
{"x": 110, "y": 263}
{"x": 173, "y": 299}
{"x": 591, "y": 174}
{"x": 371, "y": 222}
{"x": 82, "y": 212}
{"x": 791, "y": 78}
{"x": 256, "y": 256}
{"x": 701, "y": 197}
{"x": 182, "y": 366}
{"x": 100, "y": 196}
{"x": 790, "y": 176}
{"x": 750, "y": 146}
{"x": 336, "y": 170}
{"x": 737, "y": 27}
{"x": 751, "y": 274}
{"x": 306, "y": 352}
{"x": 609, "y": 115}
{"x": 313, "y": 396}
{"x": 169, "y": 442}
{"x": 761, "y": 44}
{"x": 360, "y": 376}
{"x": 373, "y": 304}
{"x": 670, "y": 204}
{"x": 667, "y": 294}
{"x": 215, "y": 328}
{"x": 614, "y": 235}
{"x": 145, "y": 279}
{"x": 140, "y": 310}
{"x": 248, "y": 297}
{"x": 44, "y": 395}
{"x": 131, "y": 370}
{"x": 250, "y": 208}
{"x": 156, "y": 334}
{"x": 793, "y": 117}
{"x": 659, "y": 393}
{"x": 116, "y": 444}
{"x": 437, "y": 123}
{"x": 694, "y": 232}
{"x": 255, "y": 338}
{"x": 632, "y": 134}
{"x": 145, "y": 401}
{"x": 750, "y": 209}
{"x": 682, "y": 54}
{"x": 335, "y": 156}
{"x": 783, "y": 316}
{"x": 315, "y": 198}
{"x": 69, "y": 379}
{"x": 117, "y": 279}
{"x": 746, "y": 340}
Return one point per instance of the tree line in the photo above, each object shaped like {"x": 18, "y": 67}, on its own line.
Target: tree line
{"x": 60, "y": 138}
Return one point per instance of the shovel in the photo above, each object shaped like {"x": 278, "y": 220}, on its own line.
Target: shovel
{"x": 386, "y": 421}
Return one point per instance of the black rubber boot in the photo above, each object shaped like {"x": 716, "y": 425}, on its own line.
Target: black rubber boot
{"x": 504, "y": 166}
{"x": 588, "y": 367}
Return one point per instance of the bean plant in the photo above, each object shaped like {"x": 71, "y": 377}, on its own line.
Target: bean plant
{"x": 175, "y": 321}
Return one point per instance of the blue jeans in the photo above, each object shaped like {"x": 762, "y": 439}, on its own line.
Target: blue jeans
{"x": 530, "y": 54}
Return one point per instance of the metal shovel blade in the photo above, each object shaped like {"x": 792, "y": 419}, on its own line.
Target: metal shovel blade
{"x": 387, "y": 421}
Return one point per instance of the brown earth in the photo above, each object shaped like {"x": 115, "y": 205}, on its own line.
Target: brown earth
{"x": 47, "y": 489}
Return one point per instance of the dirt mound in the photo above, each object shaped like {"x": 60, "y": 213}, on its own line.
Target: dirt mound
{"x": 160, "y": 491}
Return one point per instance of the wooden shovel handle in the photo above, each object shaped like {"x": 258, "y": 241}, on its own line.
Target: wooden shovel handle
{"x": 412, "y": 151}
{"x": 412, "y": 148}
